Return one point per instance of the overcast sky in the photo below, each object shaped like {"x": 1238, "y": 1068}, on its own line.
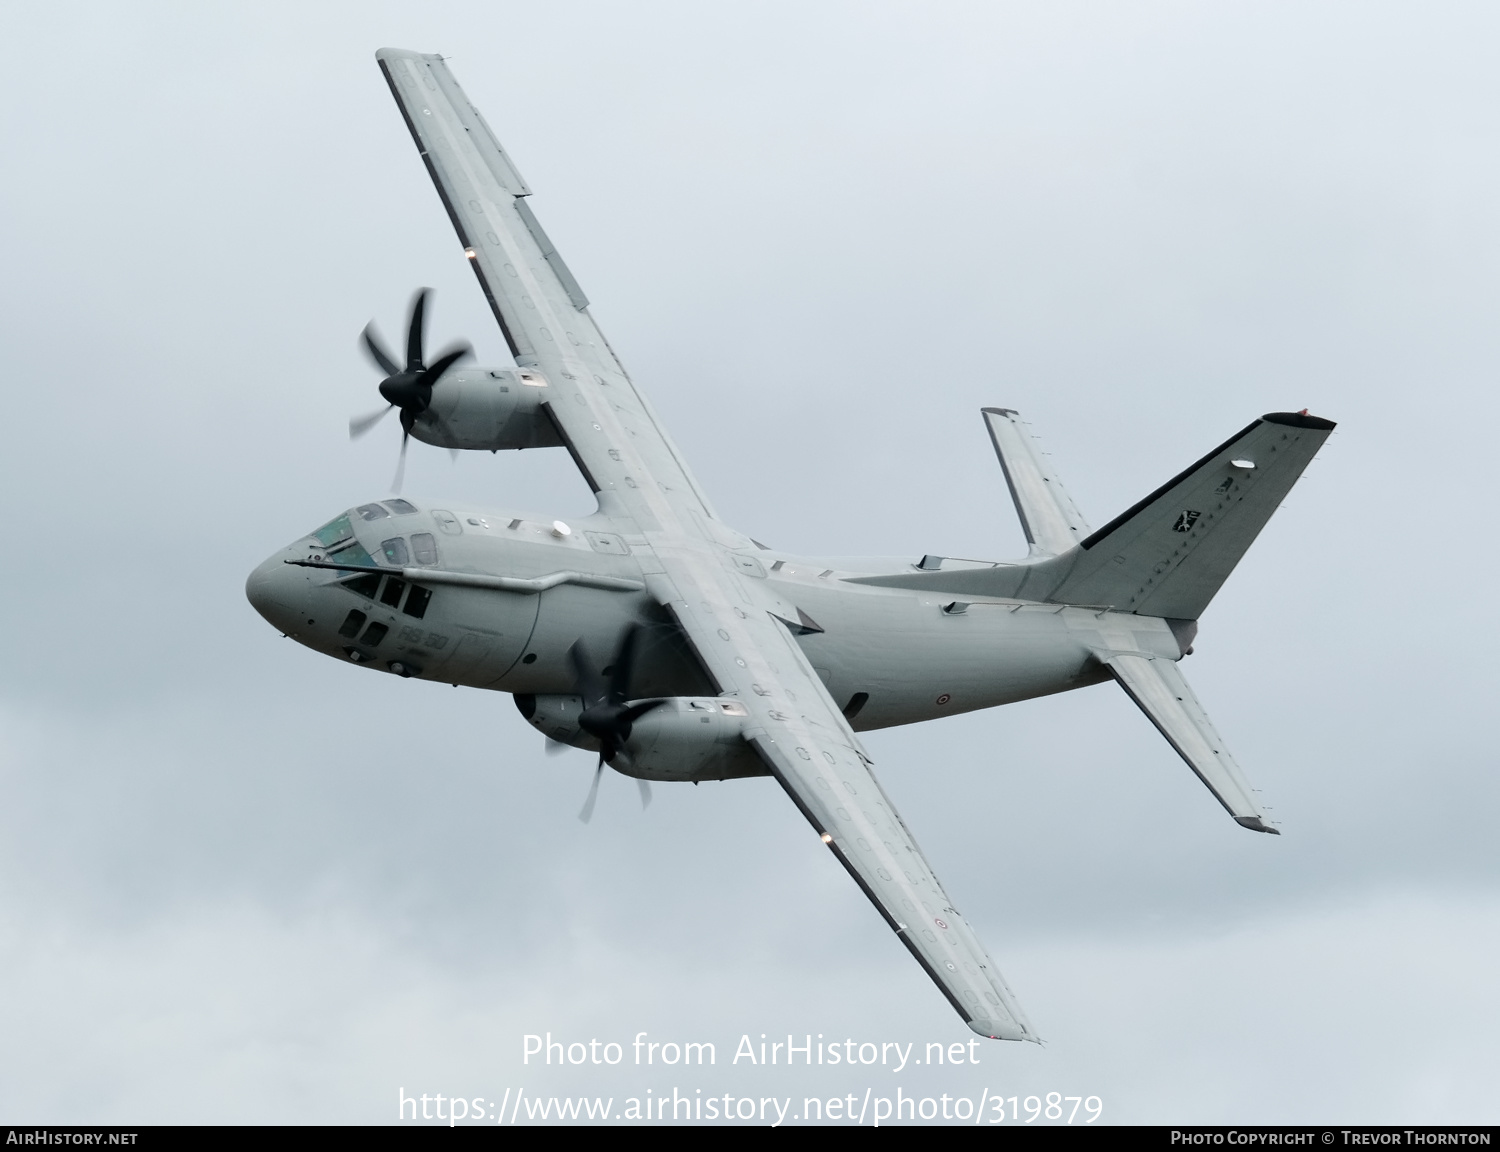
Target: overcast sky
{"x": 242, "y": 882}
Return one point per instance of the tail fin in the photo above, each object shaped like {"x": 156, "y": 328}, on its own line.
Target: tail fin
{"x": 1165, "y": 557}
{"x": 1168, "y": 555}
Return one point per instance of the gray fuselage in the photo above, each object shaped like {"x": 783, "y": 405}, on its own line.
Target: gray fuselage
{"x": 912, "y": 655}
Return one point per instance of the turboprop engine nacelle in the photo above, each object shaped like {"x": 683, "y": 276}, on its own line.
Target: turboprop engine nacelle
{"x": 684, "y": 738}
{"x": 488, "y": 409}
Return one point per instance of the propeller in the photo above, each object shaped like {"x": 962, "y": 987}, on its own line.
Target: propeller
{"x": 607, "y": 714}
{"x": 410, "y": 388}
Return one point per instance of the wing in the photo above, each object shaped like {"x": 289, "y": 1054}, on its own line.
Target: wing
{"x": 704, "y": 571}
{"x": 609, "y": 427}
{"x": 735, "y": 621}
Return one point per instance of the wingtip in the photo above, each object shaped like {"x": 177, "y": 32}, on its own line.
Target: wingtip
{"x": 993, "y": 1029}
{"x": 1255, "y": 824}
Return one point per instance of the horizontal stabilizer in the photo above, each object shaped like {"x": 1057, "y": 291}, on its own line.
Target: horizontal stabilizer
{"x": 1163, "y": 695}
{"x": 1048, "y": 516}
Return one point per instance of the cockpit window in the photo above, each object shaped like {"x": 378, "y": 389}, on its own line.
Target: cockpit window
{"x": 352, "y": 553}
{"x": 372, "y": 511}
{"x": 424, "y": 547}
{"x": 395, "y": 551}
{"x": 393, "y": 590}
{"x": 400, "y": 507}
{"x": 374, "y": 634}
{"x": 365, "y": 584}
{"x": 416, "y": 603}
{"x": 352, "y": 623}
{"x": 334, "y": 531}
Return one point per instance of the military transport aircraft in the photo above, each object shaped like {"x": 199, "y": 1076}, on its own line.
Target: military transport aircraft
{"x": 676, "y": 647}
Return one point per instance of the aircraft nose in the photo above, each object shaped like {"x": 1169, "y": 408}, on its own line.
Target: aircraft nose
{"x": 278, "y": 592}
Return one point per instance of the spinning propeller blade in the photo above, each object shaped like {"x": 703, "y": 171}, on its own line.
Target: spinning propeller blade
{"x": 410, "y": 388}
{"x": 377, "y": 351}
{"x": 607, "y": 715}
{"x": 359, "y": 425}
{"x": 586, "y": 813}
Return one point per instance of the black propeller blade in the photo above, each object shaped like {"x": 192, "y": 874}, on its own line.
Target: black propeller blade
{"x": 410, "y": 388}
{"x": 607, "y": 714}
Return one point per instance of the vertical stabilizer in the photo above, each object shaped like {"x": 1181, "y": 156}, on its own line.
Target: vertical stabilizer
{"x": 1169, "y": 554}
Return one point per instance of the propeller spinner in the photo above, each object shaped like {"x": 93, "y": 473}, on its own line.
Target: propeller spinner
{"x": 410, "y": 388}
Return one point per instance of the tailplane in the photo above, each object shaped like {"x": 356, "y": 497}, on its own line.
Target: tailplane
{"x": 1049, "y": 517}
{"x": 1163, "y": 695}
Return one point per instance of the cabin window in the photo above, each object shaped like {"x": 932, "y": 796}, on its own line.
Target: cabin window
{"x": 352, "y": 623}
{"x": 393, "y": 590}
{"x": 374, "y": 634}
{"x": 401, "y": 507}
{"x": 416, "y": 603}
{"x": 372, "y": 512}
{"x": 395, "y": 551}
{"x": 364, "y": 585}
{"x": 334, "y": 531}
{"x": 424, "y": 547}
